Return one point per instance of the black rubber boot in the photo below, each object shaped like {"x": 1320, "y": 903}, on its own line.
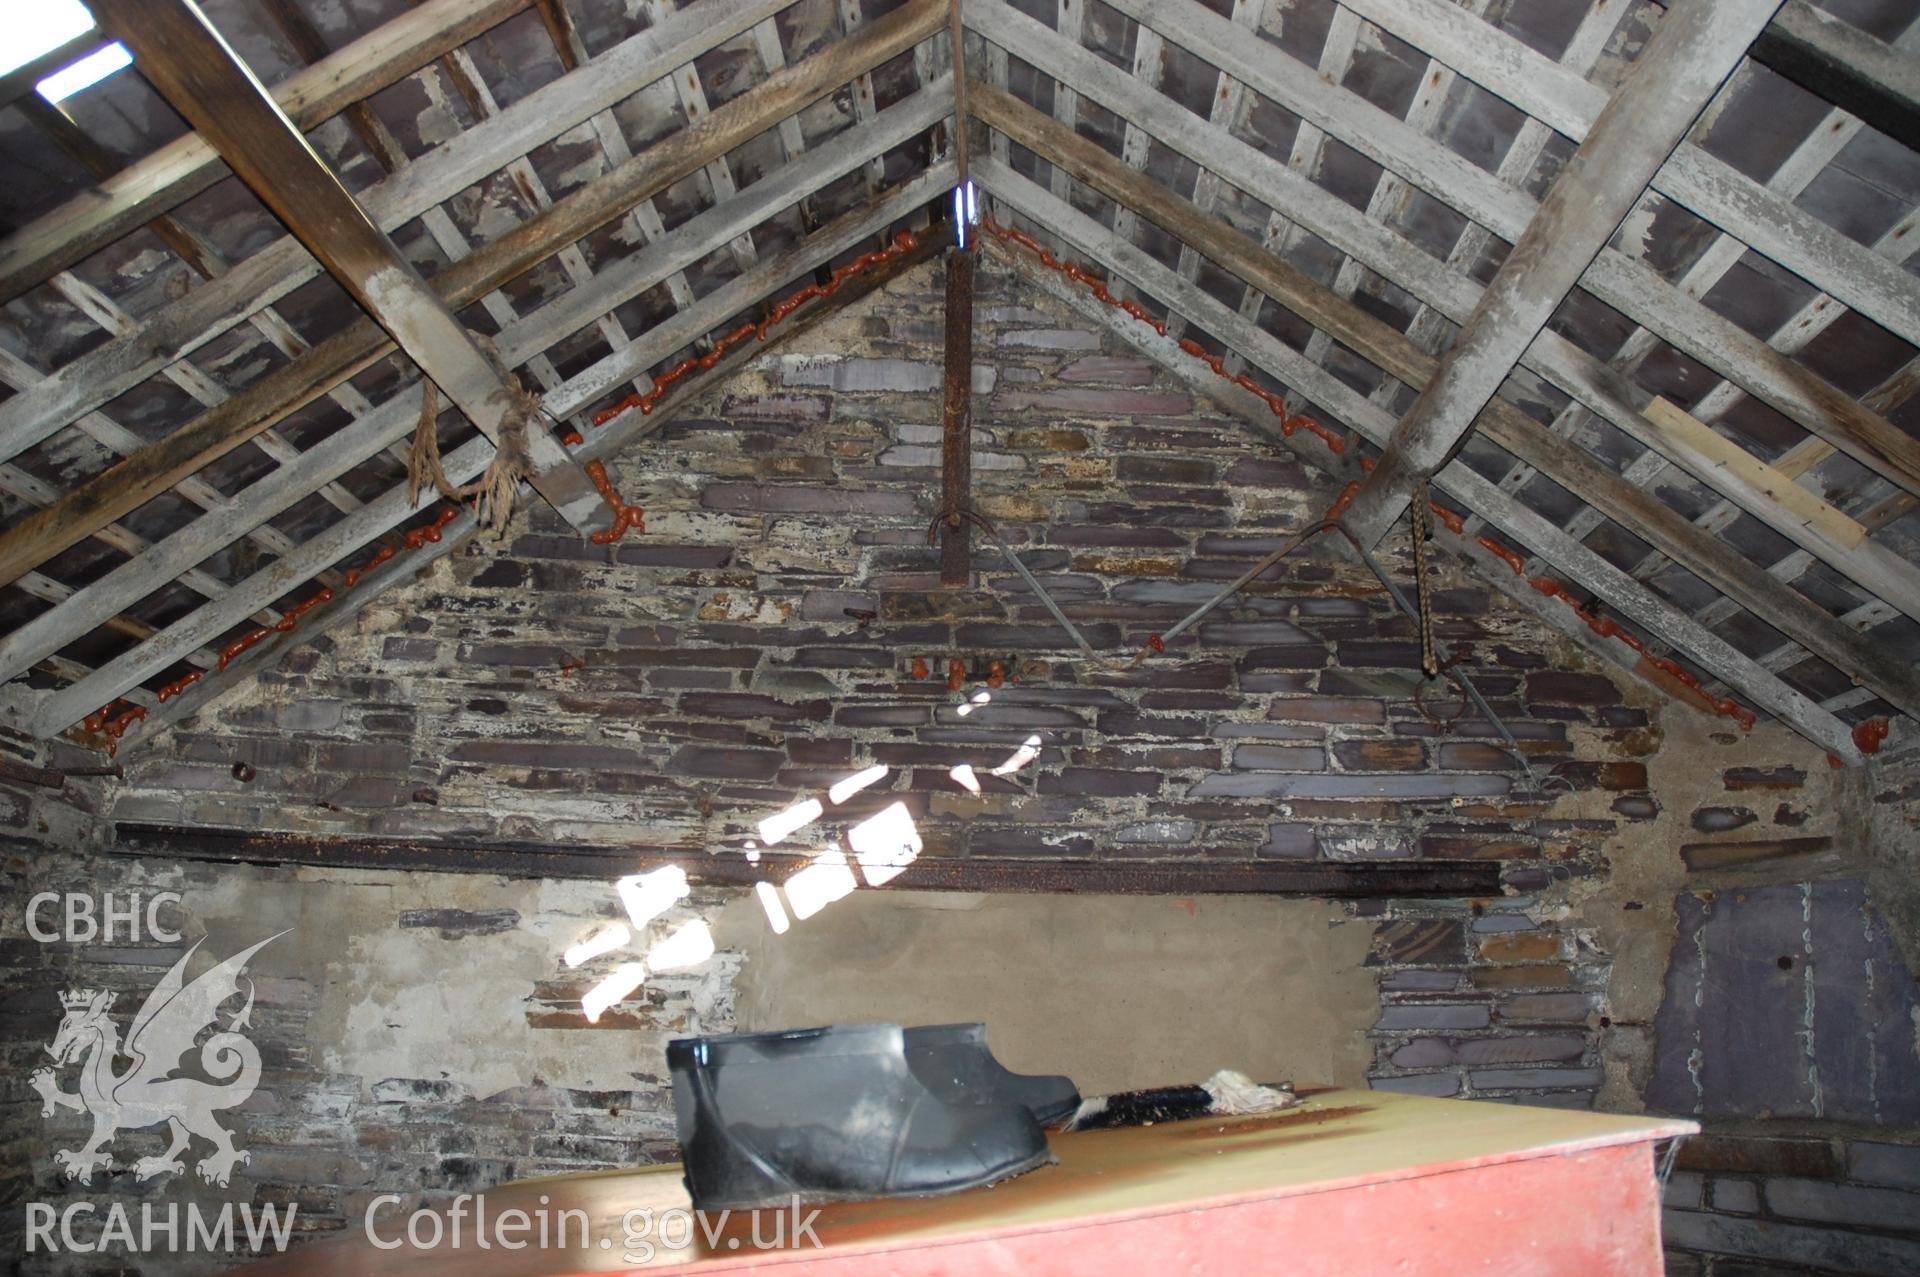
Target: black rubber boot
{"x": 955, "y": 1063}
{"x": 829, "y": 1114}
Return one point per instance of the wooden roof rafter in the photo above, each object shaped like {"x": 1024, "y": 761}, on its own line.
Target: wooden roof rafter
{"x": 772, "y": 104}
{"x": 1808, "y": 625}
{"x": 1875, "y": 569}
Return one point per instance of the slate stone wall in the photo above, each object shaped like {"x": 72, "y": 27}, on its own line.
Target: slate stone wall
{"x": 759, "y": 643}
{"x": 780, "y": 625}
{"x": 1788, "y": 1028}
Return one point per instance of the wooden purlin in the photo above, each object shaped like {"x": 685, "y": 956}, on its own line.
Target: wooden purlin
{"x": 1374, "y": 340}
{"x": 1414, "y": 269}
{"x": 1626, "y": 284}
{"x": 700, "y": 235}
{"x": 1696, "y": 46}
{"x": 1390, "y": 193}
{"x": 579, "y": 212}
{"x": 1618, "y": 592}
{"x": 183, "y": 168}
{"x": 277, "y": 269}
{"x": 1504, "y": 66}
{"x": 59, "y": 710}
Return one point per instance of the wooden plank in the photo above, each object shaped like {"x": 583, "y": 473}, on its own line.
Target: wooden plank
{"x": 1711, "y": 450}
{"x": 1630, "y": 286}
{"x": 127, "y": 486}
{"x": 693, "y": 103}
{"x": 183, "y": 168}
{"x": 852, "y": 17}
{"x": 276, "y": 270}
{"x": 393, "y": 420}
{"x": 1069, "y": 21}
{"x": 1452, "y": 293}
{"x": 1748, "y": 483}
{"x": 1818, "y": 147}
{"x": 1705, "y": 184}
{"x": 1833, "y": 59}
{"x": 1618, "y": 592}
{"x": 68, "y": 705}
{"x": 1390, "y": 194}
{"x": 1343, "y": 880}
{"x": 180, "y": 53}
{"x": 956, "y": 424}
{"x": 1693, "y": 50}
{"x": 606, "y": 441}
{"x": 1567, "y": 464}
{"x": 1226, "y": 111}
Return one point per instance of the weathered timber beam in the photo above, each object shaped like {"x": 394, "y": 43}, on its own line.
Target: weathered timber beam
{"x": 1347, "y": 880}
{"x": 1619, "y": 592}
{"x": 180, "y": 53}
{"x": 1831, "y": 58}
{"x": 1452, "y": 293}
{"x": 1563, "y": 461}
{"x": 1696, "y": 46}
{"x": 129, "y": 484}
{"x": 1765, "y": 220}
{"x": 1819, "y": 146}
{"x": 183, "y": 168}
{"x": 274, "y": 271}
{"x": 62, "y": 708}
{"x": 1628, "y": 285}
{"x": 956, "y": 424}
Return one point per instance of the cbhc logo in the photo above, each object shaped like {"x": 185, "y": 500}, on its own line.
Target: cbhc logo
{"x": 86, "y": 919}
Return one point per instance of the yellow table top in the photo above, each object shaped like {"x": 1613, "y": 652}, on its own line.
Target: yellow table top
{"x": 1334, "y": 1139}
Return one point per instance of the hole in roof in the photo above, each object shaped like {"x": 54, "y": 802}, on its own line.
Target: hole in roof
{"x": 38, "y": 29}
{"x": 90, "y": 70}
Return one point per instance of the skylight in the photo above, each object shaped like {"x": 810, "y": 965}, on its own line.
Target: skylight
{"x": 92, "y": 69}
{"x": 40, "y": 28}
{"x": 37, "y": 29}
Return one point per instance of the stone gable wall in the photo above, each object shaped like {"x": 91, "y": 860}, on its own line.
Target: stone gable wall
{"x": 758, "y": 643}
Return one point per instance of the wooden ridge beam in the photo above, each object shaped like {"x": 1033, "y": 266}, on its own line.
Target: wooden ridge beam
{"x": 274, "y": 271}
{"x": 1614, "y": 397}
{"x": 62, "y": 708}
{"x": 1629, "y": 286}
{"x": 129, "y": 484}
{"x": 1563, "y": 461}
{"x": 186, "y": 166}
{"x": 178, "y": 50}
{"x": 1694, "y": 49}
{"x": 1617, "y": 591}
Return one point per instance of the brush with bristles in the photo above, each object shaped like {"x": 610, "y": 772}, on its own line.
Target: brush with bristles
{"x": 1225, "y": 1093}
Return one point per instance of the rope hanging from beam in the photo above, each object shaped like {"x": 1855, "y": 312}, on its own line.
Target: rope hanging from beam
{"x": 1418, "y": 519}
{"x": 493, "y": 494}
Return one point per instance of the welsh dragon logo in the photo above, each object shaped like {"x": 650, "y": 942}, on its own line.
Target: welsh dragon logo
{"x": 150, "y": 1091}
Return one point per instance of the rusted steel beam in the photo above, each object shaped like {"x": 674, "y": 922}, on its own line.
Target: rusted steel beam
{"x": 956, "y": 425}
{"x": 1347, "y": 880}
{"x": 178, "y": 50}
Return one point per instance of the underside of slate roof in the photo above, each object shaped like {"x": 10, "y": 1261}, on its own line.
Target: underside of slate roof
{"x": 1704, "y": 467}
